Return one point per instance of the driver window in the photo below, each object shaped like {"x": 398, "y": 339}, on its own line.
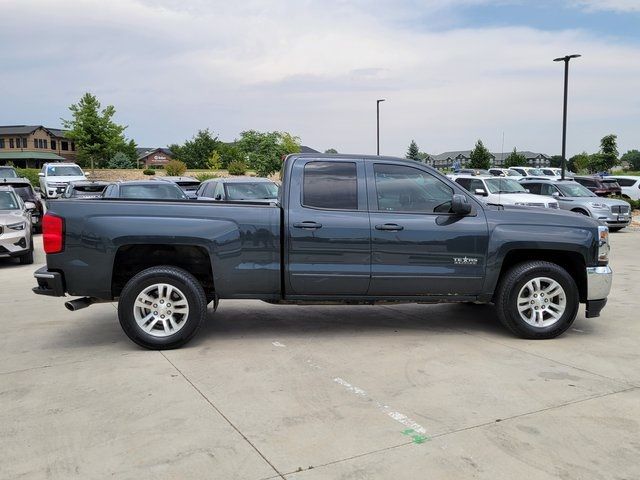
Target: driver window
{"x": 405, "y": 189}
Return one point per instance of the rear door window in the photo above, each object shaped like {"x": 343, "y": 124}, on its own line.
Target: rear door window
{"x": 330, "y": 185}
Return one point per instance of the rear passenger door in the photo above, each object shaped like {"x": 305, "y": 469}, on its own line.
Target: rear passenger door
{"x": 329, "y": 235}
{"x": 418, "y": 247}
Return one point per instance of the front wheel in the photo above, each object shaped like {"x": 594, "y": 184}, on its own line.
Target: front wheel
{"x": 537, "y": 300}
{"x": 162, "y": 307}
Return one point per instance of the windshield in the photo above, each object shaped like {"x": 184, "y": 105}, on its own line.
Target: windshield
{"x": 504, "y": 185}
{"x": 8, "y": 201}
{"x": 574, "y": 190}
{"x": 64, "y": 171}
{"x": 8, "y": 173}
{"x": 157, "y": 191}
{"x": 535, "y": 171}
{"x": 251, "y": 191}
{"x": 512, "y": 173}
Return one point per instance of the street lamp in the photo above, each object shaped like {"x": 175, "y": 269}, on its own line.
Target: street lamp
{"x": 378, "y": 123}
{"x": 565, "y": 59}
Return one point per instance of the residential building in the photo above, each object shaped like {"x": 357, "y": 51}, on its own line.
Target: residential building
{"x": 33, "y": 145}
{"x": 447, "y": 160}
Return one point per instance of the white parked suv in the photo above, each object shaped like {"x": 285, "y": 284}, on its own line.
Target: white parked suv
{"x": 503, "y": 191}
{"x": 629, "y": 184}
{"x": 55, "y": 177}
{"x": 15, "y": 226}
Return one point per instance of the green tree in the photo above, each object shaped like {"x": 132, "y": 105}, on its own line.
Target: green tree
{"x": 229, "y": 152}
{"x": 480, "y": 157}
{"x": 264, "y": 151}
{"x": 515, "y": 159}
{"x": 215, "y": 161}
{"x": 120, "y": 160}
{"x": 96, "y": 136}
{"x": 607, "y": 157}
{"x": 195, "y": 153}
{"x": 632, "y": 157}
{"x": 555, "y": 161}
{"x": 413, "y": 152}
{"x": 580, "y": 163}
{"x": 331, "y": 150}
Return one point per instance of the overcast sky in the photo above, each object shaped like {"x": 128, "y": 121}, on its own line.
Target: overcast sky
{"x": 452, "y": 71}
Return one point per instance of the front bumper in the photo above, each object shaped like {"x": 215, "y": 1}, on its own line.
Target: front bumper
{"x": 49, "y": 283}
{"x": 13, "y": 243}
{"x": 614, "y": 220}
{"x": 598, "y": 289}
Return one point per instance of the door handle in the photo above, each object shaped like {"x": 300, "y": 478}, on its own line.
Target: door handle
{"x": 390, "y": 227}
{"x": 308, "y": 225}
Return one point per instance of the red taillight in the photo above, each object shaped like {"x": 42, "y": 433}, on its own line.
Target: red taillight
{"x": 52, "y": 233}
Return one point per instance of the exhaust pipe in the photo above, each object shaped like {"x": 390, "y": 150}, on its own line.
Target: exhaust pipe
{"x": 80, "y": 303}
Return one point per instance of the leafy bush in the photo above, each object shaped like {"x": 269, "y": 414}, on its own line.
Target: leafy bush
{"x": 121, "y": 160}
{"x": 205, "y": 176}
{"x": 149, "y": 171}
{"x": 237, "y": 168}
{"x": 215, "y": 161}
{"x": 175, "y": 168}
{"x": 30, "y": 174}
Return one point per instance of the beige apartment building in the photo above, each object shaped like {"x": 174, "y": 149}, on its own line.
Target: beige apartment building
{"x": 30, "y": 146}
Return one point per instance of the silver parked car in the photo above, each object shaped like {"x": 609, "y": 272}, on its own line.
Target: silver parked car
{"x": 616, "y": 214}
{"x": 238, "y": 189}
{"x": 15, "y": 226}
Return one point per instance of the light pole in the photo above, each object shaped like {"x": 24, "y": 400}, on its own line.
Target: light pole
{"x": 378, "y": 124}
{"x": 565, "y": 59}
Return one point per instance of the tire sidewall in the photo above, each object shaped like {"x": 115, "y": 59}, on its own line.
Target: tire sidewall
{"x": 127, "y": 319}
{"x": 572, "y": 302}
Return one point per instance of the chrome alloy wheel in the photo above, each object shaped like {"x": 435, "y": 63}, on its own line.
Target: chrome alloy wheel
{"x": 161, "y": 310}
{"x": 541, "y": 302}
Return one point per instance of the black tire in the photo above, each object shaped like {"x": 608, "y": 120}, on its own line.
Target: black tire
{"x": 178, "y": 278}
{"x": 27, "y": 258}
{"x": 506, "y": 299}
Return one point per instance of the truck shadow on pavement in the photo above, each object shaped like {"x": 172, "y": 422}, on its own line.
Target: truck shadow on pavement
{"x": 250, "y": 319}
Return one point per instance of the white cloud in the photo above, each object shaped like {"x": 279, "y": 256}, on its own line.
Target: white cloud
{"x": 613, "y": 5}
{"x": 313, "y": 68}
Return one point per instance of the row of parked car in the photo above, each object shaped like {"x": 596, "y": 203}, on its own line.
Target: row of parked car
{"x": 533, "y": 187}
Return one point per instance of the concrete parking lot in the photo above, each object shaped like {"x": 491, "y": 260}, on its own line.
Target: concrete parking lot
{"x": 328, "y": 392}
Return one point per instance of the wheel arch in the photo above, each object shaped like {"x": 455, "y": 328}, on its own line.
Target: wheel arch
{"x": 131, "y": 259}
{"x": 572, "y": 262}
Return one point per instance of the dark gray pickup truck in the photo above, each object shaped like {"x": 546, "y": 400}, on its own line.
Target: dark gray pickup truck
{"x": 348, "y": 229}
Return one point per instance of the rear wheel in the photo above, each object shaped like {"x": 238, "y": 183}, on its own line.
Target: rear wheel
{"x": 162, "y": 307}
{"x": 537, "y": 300}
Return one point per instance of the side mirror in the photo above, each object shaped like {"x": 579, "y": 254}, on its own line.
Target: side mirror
{"x": 87, "y": 174}
{"x": 40, "y": 174}
{"x": 527, "y": 190}
{"x": 555, "y": 194}
{"x": 480, "y": 191}
{"x": 29, "y": 205}
{"x": 218, "y": 197}
{"x": 36, "y": 189}
{"x": 460, "y": 204}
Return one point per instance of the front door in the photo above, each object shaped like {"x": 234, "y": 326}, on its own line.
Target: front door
{"x": 329, "y": 235}
{"x": 418, "y": 247}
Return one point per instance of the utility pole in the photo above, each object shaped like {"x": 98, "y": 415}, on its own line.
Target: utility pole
{"x": 565, "y": 59}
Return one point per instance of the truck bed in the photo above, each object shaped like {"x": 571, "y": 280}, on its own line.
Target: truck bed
{"x": 242, "y": 240}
